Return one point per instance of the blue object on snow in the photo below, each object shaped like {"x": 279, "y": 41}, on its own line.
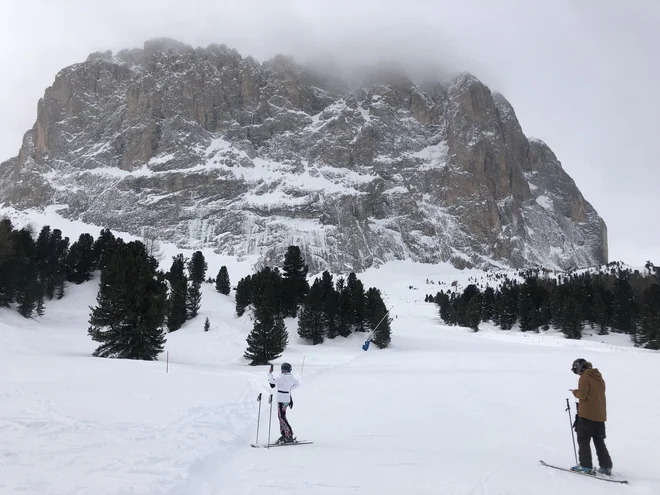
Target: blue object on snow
{"x": 365, "y": 346}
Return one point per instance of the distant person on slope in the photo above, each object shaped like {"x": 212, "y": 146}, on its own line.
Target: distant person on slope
{"x": 285, "y": 383}
{"x": 591, "y": 417}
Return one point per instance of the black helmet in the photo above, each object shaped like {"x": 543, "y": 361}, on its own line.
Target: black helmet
{"x": 579, "y": 365}
{"x": 286, "y": 368}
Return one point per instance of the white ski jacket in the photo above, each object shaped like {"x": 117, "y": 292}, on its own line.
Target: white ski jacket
{"x": 284, "y": 384}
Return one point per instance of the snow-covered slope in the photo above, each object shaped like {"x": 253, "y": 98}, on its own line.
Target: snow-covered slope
{"x": 443, "y": 410}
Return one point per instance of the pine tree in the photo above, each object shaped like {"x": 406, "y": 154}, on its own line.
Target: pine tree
{"x": 377, "y": 318}
{"x": 43, "y": 267}
{"x": 41, "y": 255}
{"x": 40, "y": 291}
{"x": 526, "y": 306}
{"x": 267, "y": 290}
{"x": 207, "y": 324}
{"x": 296, "y": 286}
{"x": 488, "y": 304}
{"x": 197, "y": 268}
{"x": 585, "y": 293}
{"x": 463, "y": 306}
{"x": 267, "y": 340}
{"x": 624, "y": 306}
{"x": 59, "y": 250}
{"x": 81, "y": 260}
{"x": 355, "y": 289}
{"x": 311, "y": 321}
{"x": 103, "y": 247}
{"x": 557, "y": 306}
{"x": 51, "y": 264}
{"x": 572, "y": 322}
{"x": 330, "y": 305}
{"x": 510, "y": 293}
{"x": 222, "y": 284}
{"x": 444, "y": 306}
{"x": 243, "y": 295}
{"x": 193, "y": 300}
{"x": 27, "y": 281}
{"x": 7, "y": 268}
{"x": 598, "y": 313}
{"x": 197, "y": 273}
{"x": 650, "y": 312}
{"x": 344, "y": 309}
{"x": 177, "y": 312}
{"x": 473, "y": 312}
{"x": 131, "y": 301}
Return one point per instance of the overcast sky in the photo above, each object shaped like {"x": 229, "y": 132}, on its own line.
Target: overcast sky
{"x": 582, "y": 75}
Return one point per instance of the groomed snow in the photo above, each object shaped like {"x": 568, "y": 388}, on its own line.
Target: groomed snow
{"x": 443, "y": 411}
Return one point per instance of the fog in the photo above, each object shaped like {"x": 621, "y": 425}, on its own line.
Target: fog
{"x": 581, "y": 75}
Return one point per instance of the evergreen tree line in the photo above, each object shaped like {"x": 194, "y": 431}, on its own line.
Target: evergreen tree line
{"x": 135, "y": 300}
{"x": 340, "y": 308}
{"x": 273, "y": 295}
{"x": 619, "y": 300}
{"x": 185, "y": 279}
{"x": 138, "y": 304}
{"x": 33, "y": 271}
{"x": 325, "y": 310}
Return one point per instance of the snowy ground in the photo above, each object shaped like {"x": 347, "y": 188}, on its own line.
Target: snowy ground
{"x": 443, "y": 411}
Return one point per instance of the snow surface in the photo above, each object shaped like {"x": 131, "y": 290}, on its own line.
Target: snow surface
{"x": 443, "y": 411}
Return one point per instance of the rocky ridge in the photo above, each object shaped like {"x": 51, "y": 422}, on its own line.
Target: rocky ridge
{"x": 217, "y": 150}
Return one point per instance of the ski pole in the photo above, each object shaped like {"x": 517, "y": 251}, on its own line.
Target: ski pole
{"x": 568, "y": 408}
{"x": 258, "y": 418}
{"x": 270, "y": 401}
{"x": 302, "y": 367}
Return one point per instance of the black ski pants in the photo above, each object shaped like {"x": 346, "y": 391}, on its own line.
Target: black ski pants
{"x": 586, "y": 431}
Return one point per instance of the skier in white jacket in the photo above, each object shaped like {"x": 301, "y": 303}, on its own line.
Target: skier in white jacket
{"x": 284, "y": 384}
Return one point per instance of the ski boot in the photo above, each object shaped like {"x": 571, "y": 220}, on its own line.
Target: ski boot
{"x": 605, "y": 471}
{"x": 583, "y": 470}
{"x": 289, "y": 440}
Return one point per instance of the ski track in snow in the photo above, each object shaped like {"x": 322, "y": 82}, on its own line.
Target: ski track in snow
{"x": 443, "y": 411}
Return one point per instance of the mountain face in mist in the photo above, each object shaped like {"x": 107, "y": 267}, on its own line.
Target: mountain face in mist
{"x": 221, "y": 151}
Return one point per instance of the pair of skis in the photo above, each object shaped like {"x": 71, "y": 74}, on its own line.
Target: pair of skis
{"x": 269, "y": 445}
{"x": 594, "y": 476}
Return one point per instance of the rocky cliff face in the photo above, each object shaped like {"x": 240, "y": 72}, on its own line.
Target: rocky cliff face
{"x": 218, "y": 150}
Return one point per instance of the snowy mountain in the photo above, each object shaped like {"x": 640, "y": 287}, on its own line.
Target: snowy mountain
{"x": 444, "y": 410}
{"x": 220, "y": 151}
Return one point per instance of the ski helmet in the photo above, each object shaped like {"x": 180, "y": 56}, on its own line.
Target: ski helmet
{"x": 579, "y": 365}
{"x": 286, "y": 368}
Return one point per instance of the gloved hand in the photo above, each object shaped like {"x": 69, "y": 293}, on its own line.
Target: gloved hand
{"x": 291, "y": 403}
{"x": 575, "y": 423}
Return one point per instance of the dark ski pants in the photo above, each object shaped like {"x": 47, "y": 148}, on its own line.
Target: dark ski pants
{"x": 285, "y": 427}
{"x": 587, "y": 430}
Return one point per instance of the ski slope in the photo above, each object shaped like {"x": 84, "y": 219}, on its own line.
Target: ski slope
{"x": 443, "y": 411}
